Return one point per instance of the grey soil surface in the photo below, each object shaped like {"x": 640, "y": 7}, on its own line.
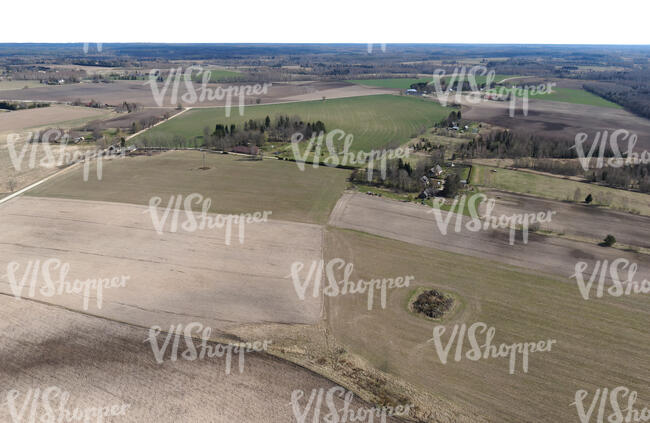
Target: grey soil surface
{"x": 561, "y": 120}
{"x": 417, "y": 224}
{"x": 141, "y": 92}
{"x": 102, "y": 363}
{"x": 576, "y": 219}
{"x": 174, "y": 277}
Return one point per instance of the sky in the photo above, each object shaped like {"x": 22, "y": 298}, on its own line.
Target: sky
{"x": 332, "y": 21}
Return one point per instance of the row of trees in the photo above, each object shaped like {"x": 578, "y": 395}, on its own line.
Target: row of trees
{"x": 635, "y": 176}
{"x": 129, "y": 107}
{"x": 257, "y": 132}
{"x": 9, "y": 105}
{"x": 516, "y": 144}
{"x": 400, "y": 175}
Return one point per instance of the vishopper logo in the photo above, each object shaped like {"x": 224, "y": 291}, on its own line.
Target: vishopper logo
{"x": 457, "y": 79}
{"x": 619, "y": 286}
{"x": 371, "y": 46}
{"x": 50, "y": 405}
{"x": 204, "y": 93}
{"x": 205, "y": 349}
{"x": 52, "y": 148}
{"x": 485, "y": 350}
{"x": 488, "y": 221}
{"x": 480, "y": 92}
{"x": 373, "y": 159}
{"x": 86, "y": 47}
{"x": 191, "y": 223}
{"x": 344, "y": 286}
{"x": 334, "y": 414}
{"x": 617, "y": 399}
{"x": 608, "y": 144}
{"x": 44, "y": 274}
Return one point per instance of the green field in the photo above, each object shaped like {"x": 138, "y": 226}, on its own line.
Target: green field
{"x": 523, "y": 306}
{"x": 570, "y": 95}
{"x": 558, "y": 188}
{"x": 234, "y": 184}
{"x": 374, "y": 121}
{"x": 222, "y": 75}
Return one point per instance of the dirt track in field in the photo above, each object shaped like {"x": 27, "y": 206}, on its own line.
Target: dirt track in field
{"x": 561, "y": 120}
{"x": 141, "y": 92}
{"x": 101, "y": 363}
{"x": 576, "y": 219}
{"x": 174, "y": 277}
{"x": 417, "y": 225}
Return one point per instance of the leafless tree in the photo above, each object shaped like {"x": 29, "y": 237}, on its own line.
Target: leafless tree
{"x": 12, "y": 184}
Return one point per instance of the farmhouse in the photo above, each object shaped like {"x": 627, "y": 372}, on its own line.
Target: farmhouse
{"x": 436, "y": 170}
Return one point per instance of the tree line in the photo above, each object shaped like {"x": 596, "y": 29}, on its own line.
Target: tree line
{"x": 400, "y": 175}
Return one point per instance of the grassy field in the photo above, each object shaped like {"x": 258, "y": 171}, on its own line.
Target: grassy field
{"x": 558, "y": 188}
{"x": 375, "y": 121}
{"x": 234, "y": 184}
{"x": 571, "y": 95}
{"x": 523, "y": 306}
{"x": 222, "y": 75}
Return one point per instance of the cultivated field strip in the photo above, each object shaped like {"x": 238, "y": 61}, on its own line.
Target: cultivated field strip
{"x": 417, "y": 225}
{"x": 174, "y": 277}
{"x": 576, "y": 219}
{"x": 102, "y": 363}
{"x": 600, "y": 342}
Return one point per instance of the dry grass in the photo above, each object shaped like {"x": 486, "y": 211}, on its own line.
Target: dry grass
{"x": 600, "y": 342}
{"x": 234, "y": 184}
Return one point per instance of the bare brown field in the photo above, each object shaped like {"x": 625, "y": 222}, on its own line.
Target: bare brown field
{"x": 174, "y": 277}
{"x": 599, "y": 343}
{"x": 125, "y": 120}
{"x": 576, "y": 219}
{"x": 55, "y": 114}
{"x": 101, "y": 363}
{"x": 558, "y": 119}
{"x": 140, "y": 92}
{"x": 415, "y": 224}
{"x": 318, "y": 90}
{"x": 23, "y": 169}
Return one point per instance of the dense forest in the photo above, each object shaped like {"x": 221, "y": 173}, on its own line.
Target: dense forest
{"x": 630, "y": 89}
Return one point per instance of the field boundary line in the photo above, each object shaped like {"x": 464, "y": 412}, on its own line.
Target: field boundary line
{"x": 157, "y": 123}
{"x": 35, "y": 184}
{"x": 47, "y": 178}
